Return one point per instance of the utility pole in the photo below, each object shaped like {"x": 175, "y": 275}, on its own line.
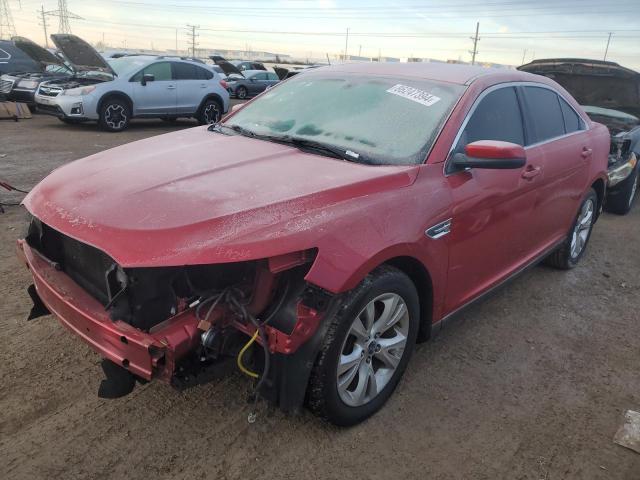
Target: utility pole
{"x": 606, "y": 51}
{"x": 43, "y": 19}
{"x": 524, "y": 54}
{"x": 7, "y": 27}
{"x": 176, "y": 41}
{"x": 346, "y": 45}
{"x": 475, "y": 39}
{"x": 193, "y": 36}
{"x": 360, "y": 51}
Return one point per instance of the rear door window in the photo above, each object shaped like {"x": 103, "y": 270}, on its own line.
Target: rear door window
{"x": 185, "y": 71}
{"x": 497, "y": 117}
{"x": 545, "y": 111}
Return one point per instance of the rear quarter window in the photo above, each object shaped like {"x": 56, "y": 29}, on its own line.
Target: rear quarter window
{"x": 572, "y": 121}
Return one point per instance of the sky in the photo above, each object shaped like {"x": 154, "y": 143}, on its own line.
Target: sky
{"x": 510, "y": 30}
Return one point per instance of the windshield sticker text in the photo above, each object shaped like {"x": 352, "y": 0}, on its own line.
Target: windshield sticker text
{"x": 415, "y": 94}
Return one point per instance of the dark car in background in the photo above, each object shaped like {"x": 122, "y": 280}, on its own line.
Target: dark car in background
{"x": 250, "y": 83}
{"x": 245, "y": 65}
{"x": 27, "y": 66}
{"x": 610, "y": 94}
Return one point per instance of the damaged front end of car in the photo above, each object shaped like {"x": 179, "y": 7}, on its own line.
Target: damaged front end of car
{"x": 183, "y": 325}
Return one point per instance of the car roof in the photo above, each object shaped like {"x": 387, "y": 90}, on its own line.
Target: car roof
{"x": 441, "y": 72}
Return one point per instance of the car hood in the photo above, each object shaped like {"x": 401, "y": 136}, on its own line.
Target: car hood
{"x": 38, "y": 54}
{"x": 593, "y": 82}
{"x": 80, "y": 55}
{"x": 195, "y": 197}
{"x": 227, "y": 67}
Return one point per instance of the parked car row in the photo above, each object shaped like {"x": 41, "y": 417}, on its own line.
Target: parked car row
{"x": 328, "y": 225}
{"x": 113, "y": 91}
{"x": 609, "y": 94}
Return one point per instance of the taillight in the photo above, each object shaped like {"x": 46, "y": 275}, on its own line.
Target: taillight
{"x": 224, "y": 84}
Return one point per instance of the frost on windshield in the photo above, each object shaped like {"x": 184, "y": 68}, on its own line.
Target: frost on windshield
{"x": 387, "y": 120}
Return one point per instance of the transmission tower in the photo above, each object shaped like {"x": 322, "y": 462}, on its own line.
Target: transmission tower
{"x": 64, "y": 15}
{"x": 7, "y": 27}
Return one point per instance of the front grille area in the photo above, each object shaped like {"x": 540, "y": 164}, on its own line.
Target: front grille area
{"x": 50, "y": 91}
{"x": 86, "y": 265}
{"x": 50, "y": 109}
{"x": 6, "y": 86}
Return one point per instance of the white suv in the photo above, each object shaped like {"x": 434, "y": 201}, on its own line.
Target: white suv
{"x": 114, "y": 91}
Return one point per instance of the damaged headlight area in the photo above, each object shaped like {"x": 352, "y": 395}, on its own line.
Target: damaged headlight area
{"x": 622, "y": 160}
{"x": 189, "y": 319}
{"x": 145, "y": 297}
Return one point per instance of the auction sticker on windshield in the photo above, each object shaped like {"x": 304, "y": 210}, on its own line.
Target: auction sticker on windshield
{"x": 414, "y": 94}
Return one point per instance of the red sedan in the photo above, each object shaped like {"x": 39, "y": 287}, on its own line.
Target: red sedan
{"x": 319, "y": 231}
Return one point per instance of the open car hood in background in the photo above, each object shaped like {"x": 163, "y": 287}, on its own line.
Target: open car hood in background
{"x": 81, "y": 55}
{"x": 36, "y": 52}
{"x": 227, "y": 68}
{"x": 593, "y": 82}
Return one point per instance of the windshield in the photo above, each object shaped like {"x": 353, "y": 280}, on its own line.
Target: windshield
{"x": 383, "y": 120}
{"x": 125, "y": 64}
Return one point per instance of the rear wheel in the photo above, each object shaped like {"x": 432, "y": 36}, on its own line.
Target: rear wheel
{"x": 620, "y": 200}
{"x": 114, "y": 115}
{"x": 366, "y": 349}
{"x": 211, "y": 112}
{"x": 571, "y": 251}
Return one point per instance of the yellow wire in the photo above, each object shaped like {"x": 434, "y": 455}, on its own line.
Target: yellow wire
{"x": 242, "y": 368}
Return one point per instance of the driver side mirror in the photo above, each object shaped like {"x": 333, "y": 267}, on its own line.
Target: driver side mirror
{"x": 491, "y": 154}
{"x": 147, "y": 77}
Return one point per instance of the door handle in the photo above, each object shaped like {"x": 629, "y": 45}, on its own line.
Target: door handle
{"x": 586, "y": 152}
{"x": 171, "y": 87}
{"x": 203, "y": 85}
{"x": 531, "y": 172}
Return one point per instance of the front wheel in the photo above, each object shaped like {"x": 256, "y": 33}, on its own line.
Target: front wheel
{"x": 114, "y": 115}
{"x": 242, "y": 93}
{"x": 366, "y": 348}
{"x": 571, "y": 251}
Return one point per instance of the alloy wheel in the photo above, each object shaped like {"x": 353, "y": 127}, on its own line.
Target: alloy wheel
{"x": 115, "y": 116}
{"x": 211, "y": 113}
{"x": 582, "y": 229}
{"x": 372, "y": 349}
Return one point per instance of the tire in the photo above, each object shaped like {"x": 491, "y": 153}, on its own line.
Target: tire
{"x": 569, "y": 253}
{"x": 210, "y": 112}
{"x": 115, "y": 115}
{"x": 348, "y": 405}
{"x": 242, "y": 93}
{"x": 620, "y": 200}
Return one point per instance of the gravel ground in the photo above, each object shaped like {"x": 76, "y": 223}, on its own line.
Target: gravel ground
{"x": 530, "y": 384}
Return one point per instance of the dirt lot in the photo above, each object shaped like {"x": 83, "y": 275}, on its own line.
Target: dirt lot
{"x": 530, "y": 384}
